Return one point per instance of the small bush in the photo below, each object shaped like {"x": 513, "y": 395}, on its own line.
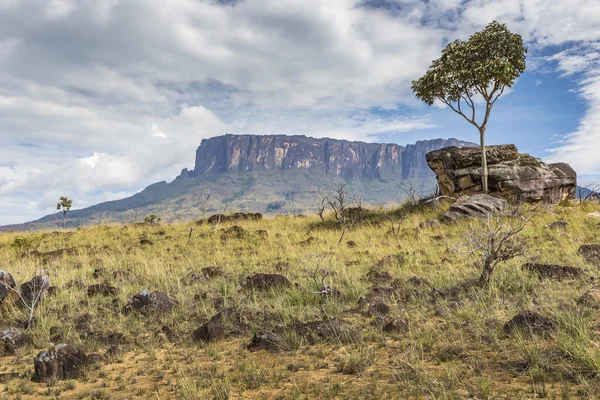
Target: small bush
{"x": 355, "y": 361}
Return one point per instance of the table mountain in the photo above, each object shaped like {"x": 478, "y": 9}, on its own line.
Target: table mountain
{"x": 271, "y": 174}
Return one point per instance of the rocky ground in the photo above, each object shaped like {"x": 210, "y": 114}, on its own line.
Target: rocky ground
{"x": 389, "y": 306}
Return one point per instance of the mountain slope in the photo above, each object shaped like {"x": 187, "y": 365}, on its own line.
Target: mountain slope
{"x": 270, "y": 174}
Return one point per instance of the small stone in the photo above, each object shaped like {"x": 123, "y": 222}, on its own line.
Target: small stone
{"x": 267, "y": 281}
{"x": 210, "y": 331}
{"x": 12, "y": 339}
{"x": 35, "y": 290}
{"x": 102, "y": 290}
{"x": 62, "y": 362}
{"x": 590, "y": 299}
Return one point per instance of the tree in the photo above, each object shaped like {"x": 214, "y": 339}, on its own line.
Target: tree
{"x": 152, "y": 219}
{"x": 485, "y": 65}
{"x": 64, "y": 206}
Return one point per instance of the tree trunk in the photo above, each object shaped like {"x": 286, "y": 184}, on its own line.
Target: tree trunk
{"x": 484, "y": 169}
{"x": 486, "y": 275}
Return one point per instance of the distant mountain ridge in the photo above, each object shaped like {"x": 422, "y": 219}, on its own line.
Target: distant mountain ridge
{"x": 270, "y": 174}
{"x": 347, "y": 159}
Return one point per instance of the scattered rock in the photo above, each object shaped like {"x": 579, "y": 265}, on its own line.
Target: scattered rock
{"x": 210, "y": 331}
{"x": 590, "y": 252}
{"x": 530, "y": 321}
{"x": 35, "y": 290}
{"x": 432, "y": 223}
{"x": 379, "y": 308}
{"x": 377, "y": 275}
{"x": 269, "y": 341}
{"x": 102, "y": 290}
{"x": 590, "y": 299}
{"x": 330, "y": 330}
{"x": 62, "y": 362}
{"x": 282, "y": 267}
{"x": 262, "y": 233}
{"x": 510, "y": 173}
{"x": 146, "y": 241}
{"x": 267, "y": 281}
{"x": 12, "y": 339}
{"x": 553, "y": 271}
{"x": 557, "y": 225}
{"x": 168, "y": 332}
{"x": 147, "y": 301}
{"x": 7, "y": 283}
{"x": 351, "y": 244}
{"x": 476, "y": 206}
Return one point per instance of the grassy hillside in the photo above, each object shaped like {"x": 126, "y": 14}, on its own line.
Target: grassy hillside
{"x": 446, "y": 338}
{"x": 297, "y": 191}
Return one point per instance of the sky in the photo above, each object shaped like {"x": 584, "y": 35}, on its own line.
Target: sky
{"x": 100, "y": 98}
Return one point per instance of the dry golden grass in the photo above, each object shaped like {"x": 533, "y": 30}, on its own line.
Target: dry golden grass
{"x": 452, "y": 345}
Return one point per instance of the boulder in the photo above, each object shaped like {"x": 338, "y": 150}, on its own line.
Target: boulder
{"x": 511, "y": 174}
{"x": 267, "y": 281}
{"x": 7, "y": 283}
{"x": 210, "y": 331}
{"x": 12, "y": 339}
{"x": 35, "y": 290}
{"x": 590, "y": 299}
{"x": 62, "y": 362}
{"x": 147, "y": 301}
{"x": 591, "y": 253}
{"x": 530, "y": 321}
{"x": 553, "y": 271}
{"x": 476, "y": 206}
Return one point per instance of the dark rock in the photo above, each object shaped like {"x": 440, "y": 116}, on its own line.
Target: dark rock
{"x": 62, "y": 362}
{"x": 269, "y": 341}
{"x": 12, "y": 339}
{"x": 417, "y": 281}
{"x": 7, "y": 284}
{"x": 53, "y": 291}
{"x": 331, "y": 330}
{"x": 553, "y": 271}
{"x": 590, "y": 299}
{"x": 307, "y": 241}
{"x": 35, "y": 290}
{"x": 267, "y": 281}
{"x": 377, "y": 275}
{"x": 379, "y": 308}
{"x": 262, "y": 233}
{"x": 530, "y": 321}
{"x": 210, "y": 331}
{"x": 591, "y": 253}
{"x": 168, "y": 332}
{"x": 331, "y": 292}
{"x": 476, "y": 206}
{"x": 510, "y": 174}
{"x": 146, "y": 241}
{"x": 147, "y": 301}
{"x": 351, "y": 244}
{"x": 234, "y": 232}
{"x": 102, "y": 290}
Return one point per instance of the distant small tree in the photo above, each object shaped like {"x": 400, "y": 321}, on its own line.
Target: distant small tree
{"x": 203, "y": 202}
{"x": 338, "y": 201}
{"x": 152, "y": 219}
{"x": 485, "y": 65}
{"x": 64, "y": 206}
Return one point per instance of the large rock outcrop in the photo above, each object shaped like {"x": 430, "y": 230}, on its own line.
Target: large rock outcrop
{"x": 511, "y": 174}
{"x": 336, "y": 157}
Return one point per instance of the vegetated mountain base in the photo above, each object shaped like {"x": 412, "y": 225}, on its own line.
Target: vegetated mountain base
{"x": 268, "y": 192}
{"x": 281, "y": 308}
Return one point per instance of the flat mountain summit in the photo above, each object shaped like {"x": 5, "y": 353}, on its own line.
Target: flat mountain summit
{"x": 271, "y": 174}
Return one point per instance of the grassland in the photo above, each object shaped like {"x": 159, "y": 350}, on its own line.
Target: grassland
{"x": 447, "y": 340}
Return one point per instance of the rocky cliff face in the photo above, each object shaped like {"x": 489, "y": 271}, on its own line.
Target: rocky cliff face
{"x": 336, "y": 157}
{"x": 511, "y": 174}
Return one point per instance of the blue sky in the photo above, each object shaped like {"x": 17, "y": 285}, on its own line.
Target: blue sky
{"x": 99, "y": 99}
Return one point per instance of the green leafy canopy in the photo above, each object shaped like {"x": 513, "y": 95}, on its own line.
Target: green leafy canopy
{"x": 486, "y": 64}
